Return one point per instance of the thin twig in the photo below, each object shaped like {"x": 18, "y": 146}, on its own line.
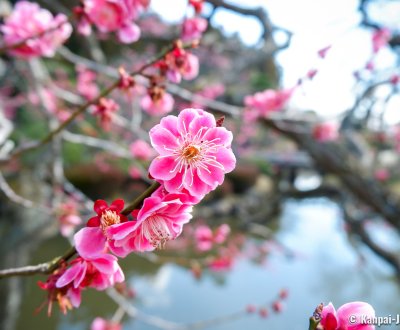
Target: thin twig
{"x": 36, "y": 145}
{"x": 50, "y": 266}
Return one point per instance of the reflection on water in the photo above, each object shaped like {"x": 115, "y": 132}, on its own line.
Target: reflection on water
{"x": 327, "y": 267}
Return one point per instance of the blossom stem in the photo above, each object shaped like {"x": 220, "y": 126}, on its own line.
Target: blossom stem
{"x": 139, "y": 200}
{"x": 313, "y": 323}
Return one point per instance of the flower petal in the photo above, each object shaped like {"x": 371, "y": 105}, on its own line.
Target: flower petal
{"x": 117, "y": 205}
{"x": 358, "y": 309}
{"x": 69, "y": 275}
{"x": 90, "y": 242}
{"x": 106, "y": 264}
{"x": 161, "y": 168}
{"x": 185, "y": 117}
{"x": 226, "y": 158}
{"x": 163, "y": 140}
{"x": 120, "y": 231}
{"x": 220, "y": 136}
{"x": 170, "y": 123}
{"x": 100, "y": 206}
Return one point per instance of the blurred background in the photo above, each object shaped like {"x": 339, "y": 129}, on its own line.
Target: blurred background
{"x": 311, "y": 213}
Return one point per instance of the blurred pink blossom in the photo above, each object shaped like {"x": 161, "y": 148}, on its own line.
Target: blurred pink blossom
{"x": 325, "y": 132}
{"x": 30, "y": 22}
{"x": 134, "y": 172}
{"x": 102, "y": 324}
{"x": 105, "y": 110}
{"x": 181, "y": 64}
{"x": 86, "y": 83}
{"x": 112, "y": 16}
{"x": 324, "y": 51}
{"x": 193, "y": 28}
{"x": 263, "y": 103}
{"x": 380, "y": 38}
{"x": 68, "y": 218}
{"x": 157, "y": 106}
{"x": 382, "y": 174}
{"x": 140, "y": 149}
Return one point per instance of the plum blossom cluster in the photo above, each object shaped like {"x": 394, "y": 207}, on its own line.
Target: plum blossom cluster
{"x": 194, "y": 27}
{"x": 176, "y": 65}
{"x": 107, "y": 16}
{"x": 31, "y": 31}
{"x": 206, "y": 238}
{"x": 65, "y": 285}
{"x": 194, "y": 154}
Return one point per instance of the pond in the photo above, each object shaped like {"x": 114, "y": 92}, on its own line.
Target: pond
{"x": 327, "y": 266}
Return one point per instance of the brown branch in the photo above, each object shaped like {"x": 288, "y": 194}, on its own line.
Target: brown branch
{"x": 51, "y": 266}
{"x": 36, "y": 145}
{"x": 259, "y": 13}
{"x": 332, "y": 160}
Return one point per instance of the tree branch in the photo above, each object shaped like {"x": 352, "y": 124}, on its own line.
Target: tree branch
{"x": 50, "y": 266}
{"x": 36, "y": 145}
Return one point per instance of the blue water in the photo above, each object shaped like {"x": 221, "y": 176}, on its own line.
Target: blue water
{"x": 327, "y": 267}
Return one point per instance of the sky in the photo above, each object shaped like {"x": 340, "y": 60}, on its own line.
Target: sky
{"x": 315, "y": 24}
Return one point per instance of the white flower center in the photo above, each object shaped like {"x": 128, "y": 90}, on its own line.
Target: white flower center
{"x": 156, "y": 231}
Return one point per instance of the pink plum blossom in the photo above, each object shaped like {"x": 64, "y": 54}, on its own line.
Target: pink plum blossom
{"x": 181, "y": 64}
{"x": 324, "y": 51}
{"x": 95, "y": 238}
{"x": 105, "y": 110}
{"x": 100, "y": 272}
{"x": 194, "y": 154}
{"x": 380, "y": 38}
{"x": 102, "y": 324}
{"x": 193, "y": 28}
{"x": 30, "y": 23}
{"x": 205, "y": 238}
{"x": 381, "y": 174}
{"x": 68, "y": 218}
{"x": 221, "y": 233}
{"x": 159, "y": 220}
{"x": 263, "y": 103}
{"x": 67, "y": 297}
{"x": 197, "y": 5}
{"x": 112, "y": 16}
{"x": 64, "y": 286}
{"x": 135, "y": 172}
{"x": 86, "y": 83}
{"x": 325, "y": 132}
{"x": 157, "y": 106}
{"x": 341, "y": 319}
{"x": 221, "y": 263}
{"x": 140, "y": 149}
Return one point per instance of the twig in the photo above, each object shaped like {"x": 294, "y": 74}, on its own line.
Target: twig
{"x": 166, "y": 324}
{"x": 49, "y": 267}
{"x": 36, "y": 145}
{"x": 14, "y": 197}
